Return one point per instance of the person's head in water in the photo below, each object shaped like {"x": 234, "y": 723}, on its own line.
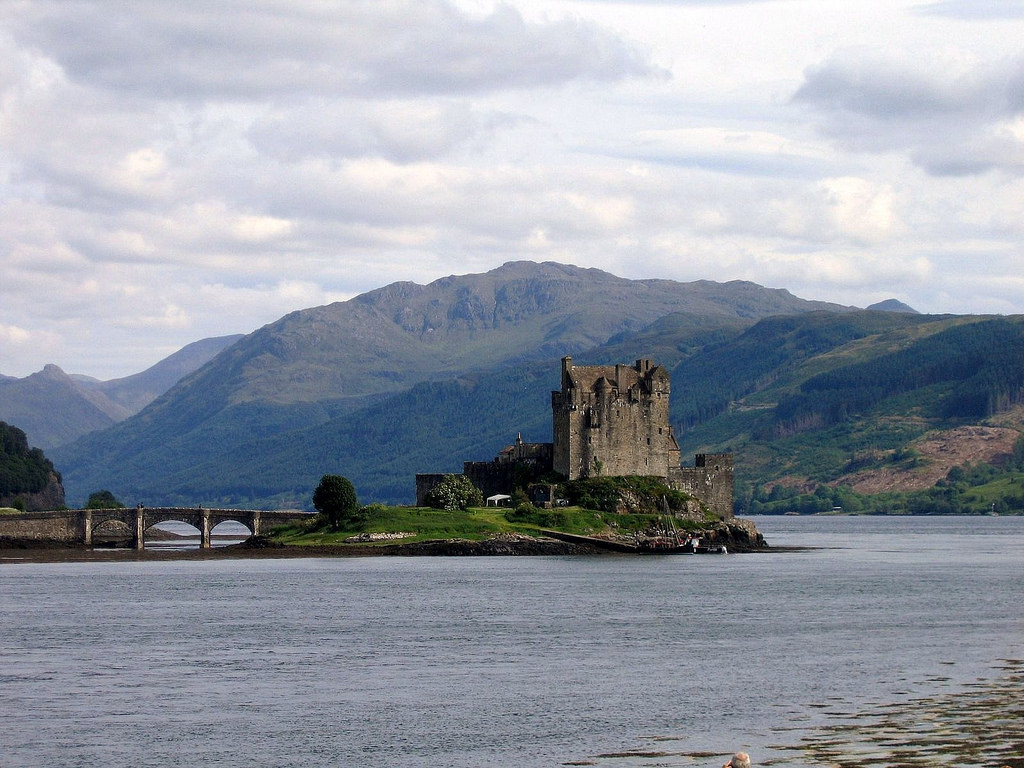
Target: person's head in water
{"x": 739, "y": 760}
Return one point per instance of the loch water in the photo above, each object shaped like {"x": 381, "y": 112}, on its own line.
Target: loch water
{"x": 875, "y": 642}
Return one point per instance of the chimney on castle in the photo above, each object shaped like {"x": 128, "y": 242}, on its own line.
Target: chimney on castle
{"x": 566, "y": 372}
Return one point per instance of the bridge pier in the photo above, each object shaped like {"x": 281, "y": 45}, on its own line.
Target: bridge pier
{"x": 204, "y": 540}
{"x": 87, "y": 528}
{"x": 140, "y": 528}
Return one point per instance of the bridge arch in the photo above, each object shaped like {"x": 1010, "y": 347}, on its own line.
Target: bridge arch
{"x": 140, "y": 519}
{"x": 94, "y": 520}
{"x": 109, "y": 531}
{"x": 78, "y": 525}
{"x": 171, "y": 534}
{"x": 229, "y": 529}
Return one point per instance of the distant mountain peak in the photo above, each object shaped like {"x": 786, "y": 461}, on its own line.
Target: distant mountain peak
{"x": 526, "y": 268}
{"x": 893, "y": 305}
{"x": 51, "y": 371}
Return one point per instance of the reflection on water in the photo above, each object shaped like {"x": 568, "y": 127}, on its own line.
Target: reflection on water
{"x": 184, "y": 536}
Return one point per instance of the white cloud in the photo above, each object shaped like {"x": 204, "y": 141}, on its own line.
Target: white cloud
{"x": 29, "y": 347}
{"x": 860, "y": 209}
{"x": 179, "y": 170}
{"x": 986, "y": 10}
{"x": 948, "y": 119}
{"x": 276, "y": 48}
{"x": 256, "y": 229}
{"x": 732, "y": 150}
{"x": 398, "y": 130}
{"x": 141, "y": 171}
{"x": 153, "y": 314}
{"x": 14, "y": 336}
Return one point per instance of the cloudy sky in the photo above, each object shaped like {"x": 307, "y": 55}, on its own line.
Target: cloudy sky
{"x": 173, "y": 171}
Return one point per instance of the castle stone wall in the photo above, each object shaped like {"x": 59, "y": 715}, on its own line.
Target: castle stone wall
{"x": 711, "y": 481}
{"x": 491, "y": 477}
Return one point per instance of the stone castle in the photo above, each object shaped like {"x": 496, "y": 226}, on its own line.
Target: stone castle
{"x": 607, "y": 420}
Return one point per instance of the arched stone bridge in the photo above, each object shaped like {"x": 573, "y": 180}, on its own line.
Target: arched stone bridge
{"x": 141, "y": 518}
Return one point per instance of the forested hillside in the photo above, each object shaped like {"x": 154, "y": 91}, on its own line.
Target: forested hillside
{"x": 767, "y": 356}
{"x": 27, "y": 478}
{"x": 824, "y": 410}
{"x": 431, "y": 427}
{"x": 974, "y": 371}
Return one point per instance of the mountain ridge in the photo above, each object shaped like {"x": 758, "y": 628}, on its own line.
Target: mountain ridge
{"x": 317, "y": 365}
{"x": 392, "y": 337}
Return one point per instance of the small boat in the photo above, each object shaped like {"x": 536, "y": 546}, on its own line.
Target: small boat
{"x": 670, "y": 542}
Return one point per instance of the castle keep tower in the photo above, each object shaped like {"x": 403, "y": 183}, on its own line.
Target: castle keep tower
{"x": 613, "y": 420}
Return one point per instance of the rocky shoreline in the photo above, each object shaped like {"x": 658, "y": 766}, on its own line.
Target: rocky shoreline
{"x": 259, "y": 548}
{"x": 736, "y": 535}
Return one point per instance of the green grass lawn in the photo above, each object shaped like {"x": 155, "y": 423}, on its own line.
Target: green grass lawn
{"x": 1004, "y": 493}
{"x": 475, "y": 524}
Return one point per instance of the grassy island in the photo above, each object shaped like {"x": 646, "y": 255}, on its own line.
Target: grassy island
{"x": 474, "y": 524}
{"x": 617, "y": 510}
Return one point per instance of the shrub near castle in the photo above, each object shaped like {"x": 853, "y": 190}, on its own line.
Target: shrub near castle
{"x": 454, "y": 492}
{"x": 103, "y": 500}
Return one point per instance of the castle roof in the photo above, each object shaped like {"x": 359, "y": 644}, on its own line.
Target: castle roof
{"x": 621, "y": 377}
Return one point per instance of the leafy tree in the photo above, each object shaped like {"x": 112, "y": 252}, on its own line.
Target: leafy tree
{"x": 454, "y": 492}
{"x": 335, "y": 498}
{"x": 103, "y": 500}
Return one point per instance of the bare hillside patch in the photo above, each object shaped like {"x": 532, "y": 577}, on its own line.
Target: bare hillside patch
{"x": 939, "y": 452}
